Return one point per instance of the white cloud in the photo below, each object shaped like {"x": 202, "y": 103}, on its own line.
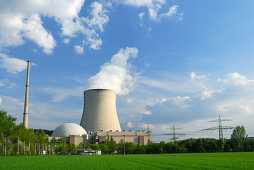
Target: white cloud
{"x": 140, "y": 3}
{"x": 79, "y": 49}
{"x": 116, "y": 74}
{"x": 0, "y": 100}
{"x": 129, "y": 125}
{"x": 66, "y": 41}
{"x": 236, "y": 79}
{"x": 206, "y": 94}
{"x": 172, "y": 11}
{"x": 34, "y": 31}
{"x": 129, "y": 100}
{"x": 96, "y": 20}
{"x": 146, "y": 112}
{"x": 12, "y": 65}
{"x": 180, "y": 16}
{"x": 22, "y": 19}
{"x": 194, "y": 76}
{"x": 141, "y": 16}
{"x": 177, "y": 100}
{"x": 154, "y": 7}
{"x": 95, "y": 43}
{"x": 98, "y": 16}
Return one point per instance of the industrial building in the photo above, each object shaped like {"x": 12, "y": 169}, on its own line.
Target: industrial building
{"x": 99, "y": 122}
{"x": 136, "y": 137}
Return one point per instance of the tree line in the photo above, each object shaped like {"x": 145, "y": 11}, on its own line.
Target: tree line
{"x": 18, "y": 140}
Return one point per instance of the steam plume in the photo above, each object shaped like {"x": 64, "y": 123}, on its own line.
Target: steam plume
{"x": 116, "y": 74}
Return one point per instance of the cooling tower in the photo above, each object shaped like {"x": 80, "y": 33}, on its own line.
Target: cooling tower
{"x": 100, "y": 111}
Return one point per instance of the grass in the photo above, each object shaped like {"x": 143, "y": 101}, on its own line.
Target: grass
{"x": 242, "y": 160}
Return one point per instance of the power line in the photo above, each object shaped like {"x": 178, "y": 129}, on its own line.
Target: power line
{"x": 220, "y": 127}
{"x": 174, "y": 134}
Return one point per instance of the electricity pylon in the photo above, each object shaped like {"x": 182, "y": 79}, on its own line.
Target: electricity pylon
{"x": 174, "y": 134}
{"x": 220, "y": 127}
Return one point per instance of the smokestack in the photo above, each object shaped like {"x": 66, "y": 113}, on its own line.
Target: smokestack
{"x": 25, "y": 116}
{"x": 100, "y": 111}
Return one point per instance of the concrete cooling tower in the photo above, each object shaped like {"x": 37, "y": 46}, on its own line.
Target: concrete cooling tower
{"x": 100, "y": 111}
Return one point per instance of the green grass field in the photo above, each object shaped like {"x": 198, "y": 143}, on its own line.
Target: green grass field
{"x": 146, "y": 161}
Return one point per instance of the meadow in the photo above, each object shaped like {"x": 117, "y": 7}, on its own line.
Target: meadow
{"x": 236, "y": 160}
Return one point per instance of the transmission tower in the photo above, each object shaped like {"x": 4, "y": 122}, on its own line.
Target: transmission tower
{"x": 220, "y": 127}
{"x": 174, "y": 134}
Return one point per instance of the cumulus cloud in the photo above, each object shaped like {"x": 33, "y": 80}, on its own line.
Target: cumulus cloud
{"x": 12, "y": 65}
{"x": 98, "y": 16}
{"x": 95, "y": 43}
{"x": 95, "y": 21}
{"x": 116, "y": 74}
{"x": 154, "y": 7}
{"x": 0, "y": 100}
{"x": 236, "y": 79}
{"x": 22, "y": 19}
{"x": 79, "y": 49}
{"x": 172, "y": 11}
{"x": 34, "y": 31}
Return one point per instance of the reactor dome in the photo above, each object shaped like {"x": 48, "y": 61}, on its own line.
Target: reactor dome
{"x": 67, "y": 129}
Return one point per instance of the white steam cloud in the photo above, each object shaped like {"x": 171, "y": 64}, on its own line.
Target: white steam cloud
{"x": 116, "y": 74}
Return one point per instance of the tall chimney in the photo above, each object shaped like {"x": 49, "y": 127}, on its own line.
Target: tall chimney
{"x": 25, "y": 116}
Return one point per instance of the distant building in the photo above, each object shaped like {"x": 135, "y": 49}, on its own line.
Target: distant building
{"x": 136, "y": 137}
{"x": 75, "y": 134}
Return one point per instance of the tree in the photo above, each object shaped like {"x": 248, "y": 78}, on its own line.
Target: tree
{"x": 61, "y": 148}
{"x": 7, "y": 125}
{"x": 72, "y": 148}
{"x": 222, "y": 144}
{"x": 81, "y": 145}
{"x": 104, "y": 148}
{"x": 95, "y": 146}
{"x": 111, "y": 145}
{"x": 30, "y": 134}
{"x": 211, "y": 145}
{"x": 238, "y": 138}
{"x": 130, "y": 147}
{"x": 19, "y": 132}
{"x": 120, "y": 146}
{"x": 52, "y": 144}
{"x": 87, "y": 145}
{"x": 43, "y": 139}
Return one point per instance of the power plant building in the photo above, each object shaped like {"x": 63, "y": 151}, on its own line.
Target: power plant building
{"x": 100, "y": 122}
{"x": 136, "y": 137}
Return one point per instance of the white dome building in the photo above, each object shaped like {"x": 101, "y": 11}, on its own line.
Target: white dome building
{"x": 67, "y": 129}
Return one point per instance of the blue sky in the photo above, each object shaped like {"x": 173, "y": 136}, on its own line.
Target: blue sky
{"x": 170, "y": 62}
